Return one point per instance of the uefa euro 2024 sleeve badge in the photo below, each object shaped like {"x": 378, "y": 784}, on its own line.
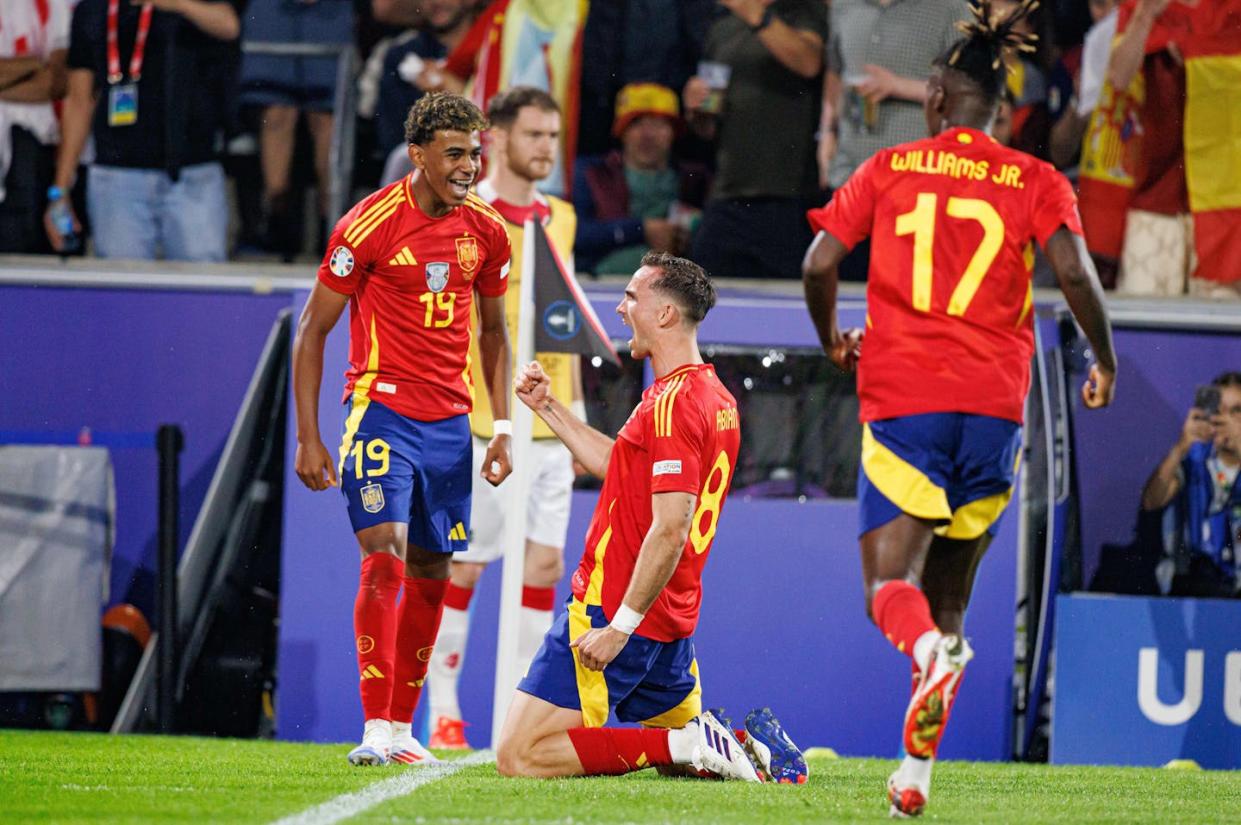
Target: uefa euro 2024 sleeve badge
{"x": 437, "y": 276}
{"x": 341, "y": 262}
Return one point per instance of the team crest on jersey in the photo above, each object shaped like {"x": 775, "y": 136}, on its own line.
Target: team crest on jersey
{"x": 341, "y": 262}
{"x": 467, "y": 255}
{"x": 437, "y": 276}
{"x": 372, "y": 498}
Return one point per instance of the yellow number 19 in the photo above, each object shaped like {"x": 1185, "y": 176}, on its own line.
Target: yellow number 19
{"x": 920, "y": 222}
{"x": 441, "y": 301}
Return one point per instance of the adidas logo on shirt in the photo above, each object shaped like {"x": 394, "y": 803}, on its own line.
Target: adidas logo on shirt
{"x": 403, "y": 258}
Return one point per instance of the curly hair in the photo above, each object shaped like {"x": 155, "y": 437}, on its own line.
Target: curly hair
{"x": 980, "y": 54}
{"x": 685, "y": 281}
{"x": 441, "y": 111}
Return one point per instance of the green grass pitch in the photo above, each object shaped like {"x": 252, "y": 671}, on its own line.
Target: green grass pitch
{"x": 80, "y": 778}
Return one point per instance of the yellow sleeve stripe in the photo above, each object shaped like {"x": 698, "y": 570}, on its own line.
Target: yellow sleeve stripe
{"x": 663, "y": 407}
{"x": 383, "y": 216}
{"x": 491, "y": 210}
{"x": 378, "y": 206}
{"x": 489, "y": 215}
{"x": 372, "y": 217}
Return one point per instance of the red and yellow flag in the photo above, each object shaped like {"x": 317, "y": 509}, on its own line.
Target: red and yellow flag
{"x": 1213, "y": 137}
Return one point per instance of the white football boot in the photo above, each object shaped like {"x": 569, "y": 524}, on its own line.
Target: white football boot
{"x": 718, "y": 753}
{"x": 406, "y": 749}
{"x": 376, "y": 742}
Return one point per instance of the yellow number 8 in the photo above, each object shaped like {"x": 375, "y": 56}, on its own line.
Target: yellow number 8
{"x": 709, "y": 502}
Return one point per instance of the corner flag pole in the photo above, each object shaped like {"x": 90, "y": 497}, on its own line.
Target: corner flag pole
{"x": 516, "y": 497}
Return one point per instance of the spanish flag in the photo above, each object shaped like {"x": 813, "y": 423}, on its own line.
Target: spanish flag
{"x": 1105, "y": 179}
{"x": 1213, "y": 137}
{"x": 528, "y": 43}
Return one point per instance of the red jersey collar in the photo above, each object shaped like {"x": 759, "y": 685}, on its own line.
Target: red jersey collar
{"x": 965, "y": 134}
{"x": 682, "y": 370}
{"x": 514, "y": 213}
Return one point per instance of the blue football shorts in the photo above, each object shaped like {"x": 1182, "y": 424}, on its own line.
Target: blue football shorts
{"x": 649, "y": 682}
{"x": 955, "y": 469}
{"x": 394, "y": 468}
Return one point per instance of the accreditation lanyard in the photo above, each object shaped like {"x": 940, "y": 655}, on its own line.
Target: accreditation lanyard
{"x": 123, "y": 97}
{"x": 140, "y": 43}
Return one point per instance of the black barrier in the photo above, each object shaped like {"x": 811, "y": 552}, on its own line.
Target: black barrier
{"x": 169, "y": 442}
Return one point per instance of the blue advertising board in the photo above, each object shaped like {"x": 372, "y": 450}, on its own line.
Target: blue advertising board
{"x": 1144, "y": 681}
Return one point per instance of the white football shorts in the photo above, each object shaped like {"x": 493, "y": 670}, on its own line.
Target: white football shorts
{"x": 547, "y": 516}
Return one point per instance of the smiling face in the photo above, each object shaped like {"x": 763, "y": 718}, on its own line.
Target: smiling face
{"x": 448, "y": 166}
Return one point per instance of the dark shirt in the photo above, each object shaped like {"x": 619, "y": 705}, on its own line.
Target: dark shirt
{"x": 183, "y": 94}
{"x": 396, "y": 95}
{"x": 601, "y": 200}
{"x": 765, "y": 139}
{"x": 622, "y": 45}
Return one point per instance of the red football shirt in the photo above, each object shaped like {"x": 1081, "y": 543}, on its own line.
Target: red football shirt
{"x": 952, "y": 220}
{"x": 410, "y": 280}
{"x": 683, "y": 437}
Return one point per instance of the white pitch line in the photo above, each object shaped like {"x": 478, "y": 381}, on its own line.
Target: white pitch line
{"x": 351, "y": 804}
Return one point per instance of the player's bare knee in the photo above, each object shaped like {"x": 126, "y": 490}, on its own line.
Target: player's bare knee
{"x": 381, "y": 539}
{"x": 425, "y": 564}
{"x": 512, "y": 758}
{"x": 466, "y": 574}
{"x": 544, "y": 565}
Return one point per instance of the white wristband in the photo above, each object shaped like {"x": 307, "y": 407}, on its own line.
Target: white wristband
{"x": 502, "y": 426}
{"x": 626, "y": 620}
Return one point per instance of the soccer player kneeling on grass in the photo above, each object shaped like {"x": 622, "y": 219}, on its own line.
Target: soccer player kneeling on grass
{"x": 625, "y": 644}
{"x": 949, "y": 337}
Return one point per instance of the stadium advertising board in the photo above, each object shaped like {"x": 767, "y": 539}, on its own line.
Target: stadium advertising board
{"x": 1146, "y": 681}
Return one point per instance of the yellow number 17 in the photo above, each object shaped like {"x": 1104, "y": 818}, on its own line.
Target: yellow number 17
{"x": 921, "y": 224}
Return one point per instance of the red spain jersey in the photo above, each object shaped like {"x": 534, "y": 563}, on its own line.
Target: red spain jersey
{"x": 682, "y": 438}
{"x": 410, "y": 280}
{"x": 952, "y": 221}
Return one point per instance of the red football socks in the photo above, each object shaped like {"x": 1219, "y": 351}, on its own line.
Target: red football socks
{"x": 538, "y": 598}
{"x": 374, "y": 627}
{"x": 419, "y": 624}
{"x": 612, "y": 751}
{"x": 902, "y": 613}
{"x": 458, "y": 598}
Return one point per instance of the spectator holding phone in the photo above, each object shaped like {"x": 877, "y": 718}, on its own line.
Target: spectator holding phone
{"x": 1195, "y": 489}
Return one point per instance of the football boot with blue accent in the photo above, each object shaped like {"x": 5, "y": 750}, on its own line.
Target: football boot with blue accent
{"x": 771, "y": 749}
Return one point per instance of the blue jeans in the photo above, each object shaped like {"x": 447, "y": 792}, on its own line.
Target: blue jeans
{"x": 136, "y": 213}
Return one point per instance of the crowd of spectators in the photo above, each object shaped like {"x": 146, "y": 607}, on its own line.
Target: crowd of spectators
{"x": 701, "y": 127}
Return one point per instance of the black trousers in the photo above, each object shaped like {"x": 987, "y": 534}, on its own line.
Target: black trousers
{"x": 753, "y": 238}
{"x": 25, "y": 195}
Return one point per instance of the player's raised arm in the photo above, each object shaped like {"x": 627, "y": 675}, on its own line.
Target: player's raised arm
{"x": 1066, "y": 251}
{"x": 320, "y": 314}
{"x": 820, "y": 277}
{"x": 496, "y": 354}
{"x": 672, "y": 515}
{"x": 591, "y": 448}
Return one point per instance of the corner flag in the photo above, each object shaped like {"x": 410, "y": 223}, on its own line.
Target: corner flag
{"x": 564, "y": 319}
